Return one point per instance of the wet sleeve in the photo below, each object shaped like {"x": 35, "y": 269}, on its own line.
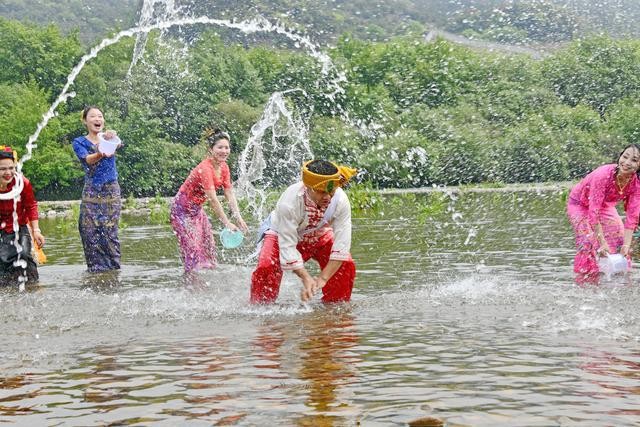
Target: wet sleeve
{"x": 599, "y": 186}
{"x": 29, "y": 202}
{"x": 80, "y": 150}
{"x": 632, "y": 209}
{"x": 205, "y": 175}
{"x": 341, "y": 224}
{"x": 287, "y": 228}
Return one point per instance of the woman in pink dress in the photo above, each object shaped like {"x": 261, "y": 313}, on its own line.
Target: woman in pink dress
{"x": 188, "y": 219}
{"x": 592, "y": 212}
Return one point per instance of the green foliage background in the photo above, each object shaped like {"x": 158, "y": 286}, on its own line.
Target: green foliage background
{"x": 436, "y": 112}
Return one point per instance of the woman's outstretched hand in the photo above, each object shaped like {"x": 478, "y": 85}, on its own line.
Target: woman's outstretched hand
{"x": 603, "y": 251}
{"x": 108, "y": 134}
{"x": 625, "y": 250}
{"x": 231, "y": 226}
{"x": 38, "y": 238}
{"x": 242, "y": 225}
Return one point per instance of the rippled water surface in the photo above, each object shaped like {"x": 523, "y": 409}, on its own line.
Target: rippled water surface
{"x": 465, "y": 315}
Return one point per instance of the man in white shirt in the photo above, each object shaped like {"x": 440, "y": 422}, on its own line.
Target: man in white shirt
{"x": 312, "y": 219}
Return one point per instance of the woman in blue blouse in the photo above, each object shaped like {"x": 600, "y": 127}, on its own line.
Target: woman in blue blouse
{"x": 101, "y": 204}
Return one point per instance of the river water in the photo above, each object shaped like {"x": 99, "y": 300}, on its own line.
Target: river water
{"x": 465, "y": 315}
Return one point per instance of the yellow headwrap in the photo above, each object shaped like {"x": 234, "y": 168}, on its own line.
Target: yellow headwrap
{"x": 327, "y": 183}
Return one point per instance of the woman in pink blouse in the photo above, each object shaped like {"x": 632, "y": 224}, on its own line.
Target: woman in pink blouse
{"x": 592, "y": 212}
{"x": 189, "y": 221}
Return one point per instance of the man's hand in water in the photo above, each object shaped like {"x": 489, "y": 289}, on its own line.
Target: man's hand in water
{"x": 308, "y": 284}
{"x": 308, "y": 289}
{"x": 320, "y": 282}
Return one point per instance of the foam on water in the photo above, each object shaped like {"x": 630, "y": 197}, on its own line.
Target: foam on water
{"x": 551, "y": 309}
{"x": 46, "y": 327}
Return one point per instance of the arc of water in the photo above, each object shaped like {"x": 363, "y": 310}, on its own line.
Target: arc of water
{"x": 248, "y": 27}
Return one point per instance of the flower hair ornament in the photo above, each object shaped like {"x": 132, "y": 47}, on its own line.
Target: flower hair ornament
{"x": 213, "y": 135}
{"x": 7, "y": 152}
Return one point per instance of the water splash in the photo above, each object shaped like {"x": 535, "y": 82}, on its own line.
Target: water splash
{"x": 19, "y": 262}
{"x": 283, "y": 124}
{"x": 150, "y": 14}
{"x": 255, "y": 25}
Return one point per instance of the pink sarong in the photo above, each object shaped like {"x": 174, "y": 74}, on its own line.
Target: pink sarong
{"x": 585, "y": 263}
{"x": 195, "y": 235}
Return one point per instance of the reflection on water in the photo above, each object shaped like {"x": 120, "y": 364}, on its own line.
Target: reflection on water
{"x": 603, "y": 366}
{"x": 306, "y": 363}
{"x": 447, "y": 327}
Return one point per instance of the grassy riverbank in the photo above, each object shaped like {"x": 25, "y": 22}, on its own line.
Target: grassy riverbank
{"x": 363, "y": 198}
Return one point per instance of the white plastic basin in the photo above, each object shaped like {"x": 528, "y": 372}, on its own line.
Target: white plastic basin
{"x": 108, "y": 146}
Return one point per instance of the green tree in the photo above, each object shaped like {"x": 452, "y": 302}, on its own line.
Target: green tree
{"x": 39, "y": 54}
{"x": 52, "y": 165}
{"x": 562, "y": 144}
{"x": 399, "y": 160}
{"x": 333, "y": 139}
{"x": 597, "y": 71}
{"x": 623, "y": 119}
